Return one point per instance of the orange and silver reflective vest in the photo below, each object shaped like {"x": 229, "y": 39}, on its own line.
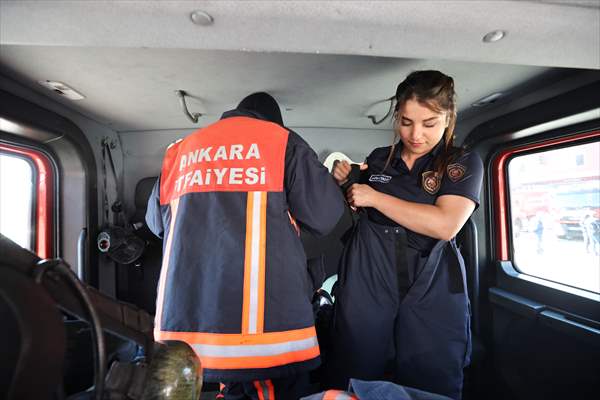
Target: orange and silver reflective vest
{"x": 234, "y": 282}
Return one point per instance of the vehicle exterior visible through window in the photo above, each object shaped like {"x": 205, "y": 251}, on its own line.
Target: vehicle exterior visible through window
{"x": 555, "y": 209}
{"x": 17, "y": 200}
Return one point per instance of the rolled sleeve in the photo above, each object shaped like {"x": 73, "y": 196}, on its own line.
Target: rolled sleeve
{"x": 313, "y": 196}
{"x": 153, "y": 212}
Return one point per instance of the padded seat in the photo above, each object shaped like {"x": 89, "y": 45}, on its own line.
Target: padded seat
{"x": 141, "y": 277}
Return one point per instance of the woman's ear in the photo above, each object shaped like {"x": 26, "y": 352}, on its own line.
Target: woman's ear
{"x": 394, "y": 120}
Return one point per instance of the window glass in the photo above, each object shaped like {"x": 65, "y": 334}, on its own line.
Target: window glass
{"x": 555, "y": 214}
{"x": 16, "y": 200}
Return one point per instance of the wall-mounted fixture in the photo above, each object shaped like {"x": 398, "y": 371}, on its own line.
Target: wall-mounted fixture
{"x": 386, "y": 116}
{"x": 201, "y": 18}
{"x": 494, "y": 36}
{"x": 62, "y": 89}
{"x": 191, "y": 116}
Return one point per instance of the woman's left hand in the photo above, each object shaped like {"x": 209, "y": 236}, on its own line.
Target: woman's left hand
{"x": 361, "y": 195}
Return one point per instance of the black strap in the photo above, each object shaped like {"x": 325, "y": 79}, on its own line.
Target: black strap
{"x": 117, "y": 206}
{"x": 104, "y": 184}
{"x": 402, "y": 263}
{"x": 457, "y": 272}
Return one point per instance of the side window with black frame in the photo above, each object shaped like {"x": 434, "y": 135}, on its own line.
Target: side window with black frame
{"x": 554, "y": 207}
{"x": 17, "y": 199}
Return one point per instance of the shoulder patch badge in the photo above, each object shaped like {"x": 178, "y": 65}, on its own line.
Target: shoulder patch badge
{"x": 456, "y": 172}
{"x": 431, "y": 182}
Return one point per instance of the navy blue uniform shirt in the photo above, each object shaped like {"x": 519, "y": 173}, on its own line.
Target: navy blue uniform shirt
{"x": 462, "y": 177}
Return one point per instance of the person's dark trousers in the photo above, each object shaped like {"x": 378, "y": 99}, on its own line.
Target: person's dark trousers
{"x": 428, "y": 325}
{"x": 291, "y": 388}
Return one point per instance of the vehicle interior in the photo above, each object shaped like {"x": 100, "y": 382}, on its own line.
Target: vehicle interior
{"x": 93, "y": 92}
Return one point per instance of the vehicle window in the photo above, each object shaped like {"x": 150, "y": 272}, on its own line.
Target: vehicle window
{"x": 17, "y": 200}
{"x": 555, "y": 214}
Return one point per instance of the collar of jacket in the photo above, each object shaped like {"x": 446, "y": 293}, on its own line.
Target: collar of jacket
{"x": 423, "y": 160}
{"x": 244, "y": 113}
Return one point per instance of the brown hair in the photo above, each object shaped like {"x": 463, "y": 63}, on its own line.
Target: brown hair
{"x": 435, "y": 91}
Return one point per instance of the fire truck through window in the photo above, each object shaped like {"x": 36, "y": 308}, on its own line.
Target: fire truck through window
{"x": 555, "y": 214}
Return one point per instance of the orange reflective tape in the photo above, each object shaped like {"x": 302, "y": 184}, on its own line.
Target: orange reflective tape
{"x": 247, "y": 264}
{"x": 338, "y": 395}
{"x": 294, "y": 223}
{"x": 261, "y": 266}
{"x": 331, "y": 394}
{"x": 225, "y": 339}
{"x": 254, "y": 264}
{"x": 270, "y": 389}
{"x": 221, "y": 394}
{"x": 265, "y": 388}
{"x": 259, "y": 390}
{"x": 259, "y": 361}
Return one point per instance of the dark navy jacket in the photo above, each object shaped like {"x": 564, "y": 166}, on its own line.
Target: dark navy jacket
{"x": 234, "y": 282}
{"x": 416, "y": 283}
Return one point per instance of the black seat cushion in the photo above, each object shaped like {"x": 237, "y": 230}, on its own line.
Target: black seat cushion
{"x": 138, "y": 281}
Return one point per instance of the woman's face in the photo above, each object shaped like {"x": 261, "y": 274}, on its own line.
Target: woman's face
{"x": 419, "y": 128}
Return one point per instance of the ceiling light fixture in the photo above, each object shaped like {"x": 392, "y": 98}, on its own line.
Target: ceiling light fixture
{"x": 494, "y": 36}
{"x": 62, "y": 89}
{"x": 201, "y": 18}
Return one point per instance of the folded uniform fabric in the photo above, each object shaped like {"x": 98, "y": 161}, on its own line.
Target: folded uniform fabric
{"x": 376, "y": 390}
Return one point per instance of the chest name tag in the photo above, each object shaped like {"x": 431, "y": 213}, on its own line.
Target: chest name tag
{"x": 380, "y": 178}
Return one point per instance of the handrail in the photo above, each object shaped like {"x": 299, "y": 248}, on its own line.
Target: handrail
{"x": 191, "y": 116}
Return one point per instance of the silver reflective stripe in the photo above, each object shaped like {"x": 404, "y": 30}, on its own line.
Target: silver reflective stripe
{"x": 254, "y": 263}
{"x": 211, "y": 350}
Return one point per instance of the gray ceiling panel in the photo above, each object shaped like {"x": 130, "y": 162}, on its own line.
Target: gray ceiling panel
{"x": 327, "y": 62}
{"x": 133, "y": 89}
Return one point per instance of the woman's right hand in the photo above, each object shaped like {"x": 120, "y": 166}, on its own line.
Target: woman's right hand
{"x": 341, "y": 170}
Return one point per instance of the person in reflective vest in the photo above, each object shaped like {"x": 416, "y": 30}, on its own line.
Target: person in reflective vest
{"x": 234, "y": 282}
{"x": 402, "y": 282}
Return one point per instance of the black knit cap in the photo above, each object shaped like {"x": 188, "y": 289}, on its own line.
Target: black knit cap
{"x": 263, "y": 104}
